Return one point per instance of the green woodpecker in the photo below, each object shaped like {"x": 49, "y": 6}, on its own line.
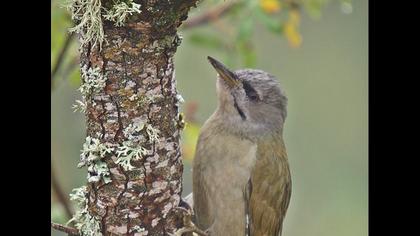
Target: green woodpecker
{"x": 241, "y": 178}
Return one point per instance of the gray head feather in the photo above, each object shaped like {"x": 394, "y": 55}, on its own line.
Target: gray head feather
{"x": 257, "y": 107}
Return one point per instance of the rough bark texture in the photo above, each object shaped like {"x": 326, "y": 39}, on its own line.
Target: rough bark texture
{"x": 137, "y": 62}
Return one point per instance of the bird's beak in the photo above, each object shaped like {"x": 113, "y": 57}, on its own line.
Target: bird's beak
{"x": 231, "y": 79}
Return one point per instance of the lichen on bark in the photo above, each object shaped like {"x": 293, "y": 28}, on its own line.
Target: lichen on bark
{"x": 137, "y": 108}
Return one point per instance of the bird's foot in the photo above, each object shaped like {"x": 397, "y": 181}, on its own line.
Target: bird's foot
{"x": 189, "y": 226}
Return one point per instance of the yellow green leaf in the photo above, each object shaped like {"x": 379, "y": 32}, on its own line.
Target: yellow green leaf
{"x": 190, "y": 136}
{"x": 270, "y": 6}
{"x": 291, "y": 30}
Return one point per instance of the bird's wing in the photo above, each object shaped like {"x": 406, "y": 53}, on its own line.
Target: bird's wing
{"x": 269, "y": 189}
{"x": 201, "y": 210}
{"x": 203, "y": 214}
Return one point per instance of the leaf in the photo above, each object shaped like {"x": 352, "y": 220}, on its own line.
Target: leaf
{"x": 291, "y": 29}
{"x": 190, "y": 137}
{"x": 270, "y": 6}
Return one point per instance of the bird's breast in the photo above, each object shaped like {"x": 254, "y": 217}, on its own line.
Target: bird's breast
{"x": 222, "y": 168}
{"x": 229, "y": 159}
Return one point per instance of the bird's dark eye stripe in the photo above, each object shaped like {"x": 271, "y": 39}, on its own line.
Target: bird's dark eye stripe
{"x": 250, "y": 91}
{"x": 241, "y": 113}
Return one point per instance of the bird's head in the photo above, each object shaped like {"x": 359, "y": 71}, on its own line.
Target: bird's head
{"x": 251, "y": 102}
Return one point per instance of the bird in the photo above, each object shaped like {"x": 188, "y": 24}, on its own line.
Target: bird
{"x": 241, "y": 174}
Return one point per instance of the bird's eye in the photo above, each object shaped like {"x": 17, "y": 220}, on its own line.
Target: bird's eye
{"x": 253, "y": 97}
{"x": 250, "y": 92}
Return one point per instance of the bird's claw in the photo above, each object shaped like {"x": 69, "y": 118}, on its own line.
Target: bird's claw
{"x": 189, "y": 226}
{"x": 188, "y": 229}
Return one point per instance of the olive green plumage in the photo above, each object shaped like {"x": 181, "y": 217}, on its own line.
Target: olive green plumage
{"x": 241, "y": 178}
{"x": 271, "y": 188}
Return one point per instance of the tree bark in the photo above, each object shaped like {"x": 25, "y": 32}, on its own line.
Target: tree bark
{"x": 137, "y": 61}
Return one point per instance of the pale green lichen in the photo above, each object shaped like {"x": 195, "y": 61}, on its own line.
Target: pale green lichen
{"x": 87, "y": 224}
{"x": 132, "y": 132}
{"x": 163, "y": 44}
{"x": 93, "y": 81}
{"x": 79, "y": 106}
{"x": 79, "y": 196}
{"x": 146, "y": 100}
{"x": 153, "y": 133}
{"x": 98, "y": 170}
{"x": 120, "y": 11}
{"x": 87, "y": 14}
{"x": 179, "y": 99}
{"x": 126, "y": 153}
{"x": 93, "y": 150}
{"x": 131, "y": 150}
{"x": 92, "y": 153}
{"x": 139, "y": 230}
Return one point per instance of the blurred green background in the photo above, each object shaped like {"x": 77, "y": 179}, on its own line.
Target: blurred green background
{"x": 326, "y": 132}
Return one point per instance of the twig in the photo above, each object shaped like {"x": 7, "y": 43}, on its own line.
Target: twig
{"x": 65, "y": 229}
{"x": 60, "y": 58}
{"x": 74, "y": 63}
{"x": 60, "y": 194}
{"x": 210, "y": 15}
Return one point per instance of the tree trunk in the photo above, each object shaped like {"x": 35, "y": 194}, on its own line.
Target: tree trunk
{"x": 135, "y": 118}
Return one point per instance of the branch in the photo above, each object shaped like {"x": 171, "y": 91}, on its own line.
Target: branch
{"x": 65, "y": 229}
{"x": 60, "y": 194}
{"x": 74, "y": 63}
{"x": 61, "y": 55}
{"x": 209, "y": 16}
